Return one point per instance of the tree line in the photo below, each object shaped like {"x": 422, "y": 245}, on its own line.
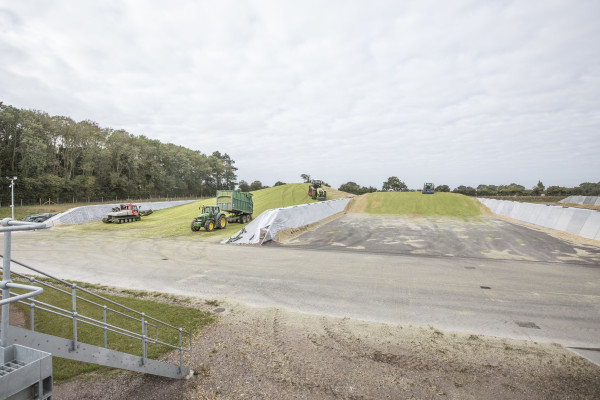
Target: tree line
{"x": 54, "y": 157}
{"x": 394, "y": 184}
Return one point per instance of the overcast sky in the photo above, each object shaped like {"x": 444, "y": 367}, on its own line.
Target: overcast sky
{"x": 450, "y": 92}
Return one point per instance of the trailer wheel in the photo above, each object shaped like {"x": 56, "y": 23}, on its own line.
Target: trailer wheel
{"x": 222, "y": 222}
{"x": 209, "y": 225}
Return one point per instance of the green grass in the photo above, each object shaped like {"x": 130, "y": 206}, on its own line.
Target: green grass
{"x": 189, "y": 319}
{"x": 418, "y": 204}
{"x": 175, "y": 222}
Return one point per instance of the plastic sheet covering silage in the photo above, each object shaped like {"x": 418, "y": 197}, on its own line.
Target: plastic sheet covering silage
{"x": 266, "y": 225}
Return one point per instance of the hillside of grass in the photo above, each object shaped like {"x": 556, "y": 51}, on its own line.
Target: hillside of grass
{"x": 418, "y": 204}
{"x": 175, "y": 221}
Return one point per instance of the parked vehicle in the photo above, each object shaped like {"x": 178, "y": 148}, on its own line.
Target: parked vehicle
{"x": 238, "y": 205}
{"x": 124, "y": 213}
{"x": 315, "y": 191}
{"x": 38, "y": 217}
{"x": 428, "y": 188}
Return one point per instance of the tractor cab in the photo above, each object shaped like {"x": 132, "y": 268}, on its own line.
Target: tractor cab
{"x": 428, "y": 188}
{"x": 131, "y": 207}
{"x": 211, "y": 211}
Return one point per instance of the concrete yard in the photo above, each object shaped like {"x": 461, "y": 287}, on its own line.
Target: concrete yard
{"x": 413, "y": 297}
{"x": 484, "y": 276}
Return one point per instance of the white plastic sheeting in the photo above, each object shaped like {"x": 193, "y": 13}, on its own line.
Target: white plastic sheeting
{"x": 578, "y": 221}
{"x": 266, "y": 225}
{"x": 590, "y": 200}
{"x": 78, "y": 215}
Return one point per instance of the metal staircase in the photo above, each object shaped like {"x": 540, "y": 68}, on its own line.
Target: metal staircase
{"x": 26, "y": 354}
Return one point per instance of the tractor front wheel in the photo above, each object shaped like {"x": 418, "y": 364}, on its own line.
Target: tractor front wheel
{"x": 194, "y": 228}
{"x": 209, "y": 225}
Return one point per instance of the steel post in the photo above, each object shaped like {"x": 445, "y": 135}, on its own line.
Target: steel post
{"x": 74, "y": 295}
{"x": 32, "y": 308}
{"x": 144, "y": 344}
{"x": 5, "y": 288}
{"x": 105, "y": 331}
{"x": 180, "y": 351}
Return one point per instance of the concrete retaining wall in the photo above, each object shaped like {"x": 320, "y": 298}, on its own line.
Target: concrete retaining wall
{"x": 578, "y": 221}
{"x": 78, "y": 215}
{"x": 589, "y": 200}
{"x": 267, "y": 224}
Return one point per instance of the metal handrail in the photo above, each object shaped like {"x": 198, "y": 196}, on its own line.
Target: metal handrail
{"x": 67, "y": 283}
{"x": 33, "y": 291}
{"x": 140, "y": 317}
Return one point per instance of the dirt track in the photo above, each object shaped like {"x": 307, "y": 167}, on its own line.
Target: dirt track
{"x": 274, "y": 354}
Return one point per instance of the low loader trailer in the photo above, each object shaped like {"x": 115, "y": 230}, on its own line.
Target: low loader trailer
{"x": 238, "y": 205}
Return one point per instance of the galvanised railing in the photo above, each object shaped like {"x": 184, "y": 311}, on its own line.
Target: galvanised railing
{"x": 109, "y": 307}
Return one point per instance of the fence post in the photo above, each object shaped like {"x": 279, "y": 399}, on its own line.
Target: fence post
{"x": 31, "y": 308}
{"x": 74, "y": 295}
{"x": 105, "y": 333}
{"x": 144, "y": 344}
{"x": 180, "y": 352}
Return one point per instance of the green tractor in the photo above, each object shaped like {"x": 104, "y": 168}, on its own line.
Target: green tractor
{"x": 210, "y": 218}
{"x": 316, "y": 191}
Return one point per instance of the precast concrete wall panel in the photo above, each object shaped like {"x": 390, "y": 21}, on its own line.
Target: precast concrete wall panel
{"x": 578, "y": 221}
{"x": 552, "y": 216}
{"x": 591, "y": 228}
{"x": 507, "y": 208}
{"x": 589, "y": 200}
{"x": 524, "y": 212}
{"x": 564, "y": 218}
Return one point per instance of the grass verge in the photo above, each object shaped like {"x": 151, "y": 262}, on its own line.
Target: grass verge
{"x": 161, "y": 307}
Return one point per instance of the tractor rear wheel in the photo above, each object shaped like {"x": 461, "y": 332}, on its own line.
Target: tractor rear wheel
{"x": 209, "y": 225}
{"x": 222, "y": 222}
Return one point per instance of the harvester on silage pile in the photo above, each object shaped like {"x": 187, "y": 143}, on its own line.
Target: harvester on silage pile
{"x": 315, "y": 191}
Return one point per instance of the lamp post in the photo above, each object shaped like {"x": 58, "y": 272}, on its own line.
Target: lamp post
{"x": 12, "y": 195}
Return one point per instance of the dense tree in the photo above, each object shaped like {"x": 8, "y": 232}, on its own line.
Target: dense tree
{"x": 305, "y": 178}
{"x": 466, "y": 190}
{"x": 538, "y": 189}
{"x": 354, "y": 188}
{"x": 56, "y": 157}
{"x": 487, "y": 190}
{"x": 279, "y": 183}
{"x": 442, "y": 188}
{"x": 589, "y": 189}
{"x": 257, "y": 185}
{"x": 511, "y": 190}
{"x": 243, "y": 186}
{"x": 394, "y": 184}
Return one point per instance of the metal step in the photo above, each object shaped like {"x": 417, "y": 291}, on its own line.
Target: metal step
{"x": 25, "y": 373}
